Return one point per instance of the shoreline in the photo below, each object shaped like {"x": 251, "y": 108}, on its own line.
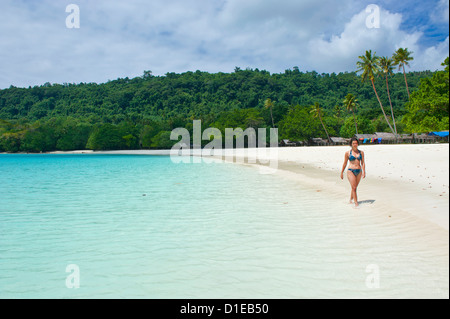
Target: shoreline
{"x": 413, "y": 181}
{"x": 402, "y": 180}
{"x": 408, "y": 178}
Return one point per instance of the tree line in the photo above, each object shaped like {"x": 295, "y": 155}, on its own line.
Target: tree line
{"x": 141, "y": 112}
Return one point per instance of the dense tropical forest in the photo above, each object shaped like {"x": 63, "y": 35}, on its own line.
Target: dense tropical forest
{"x": 141, "y": 112}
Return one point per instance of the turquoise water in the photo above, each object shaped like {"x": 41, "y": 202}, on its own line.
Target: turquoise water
{"x": 144, "y": 227}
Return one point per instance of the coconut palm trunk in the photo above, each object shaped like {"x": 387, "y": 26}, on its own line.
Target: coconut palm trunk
{"x": 390, "y": 103}
{"x": 386, "y": 65}
{"x": 356, "y": 125}
{"x": 269, "y": 104}
{"x": 406, "y": 81}
{"x": 381, "y": 106}
{"x": 326, "y": 132}
{"x": 317, "y": 111}
{"x": 271, "y": 115}
{"x": 351, "y": 103}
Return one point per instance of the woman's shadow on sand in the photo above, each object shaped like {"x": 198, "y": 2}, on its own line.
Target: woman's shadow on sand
{"x": 367, "y": 201}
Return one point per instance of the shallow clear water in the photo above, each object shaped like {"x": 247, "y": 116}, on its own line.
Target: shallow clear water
{"x": 144, "y": 227}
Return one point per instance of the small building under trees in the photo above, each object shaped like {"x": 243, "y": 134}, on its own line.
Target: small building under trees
{"x": 339, "y": 140}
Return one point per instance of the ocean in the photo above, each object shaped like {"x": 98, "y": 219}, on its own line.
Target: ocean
{"x": 133, "y": 226}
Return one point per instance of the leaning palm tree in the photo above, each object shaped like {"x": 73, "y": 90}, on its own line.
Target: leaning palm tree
{"x": 386, "y": 65}
{"x": 316, "y": 110}
{"x": 269, "y": 104}
{"x": 369, "y": 68}
{"x": 401, "y": 58}
{"x": 350, "y": 103}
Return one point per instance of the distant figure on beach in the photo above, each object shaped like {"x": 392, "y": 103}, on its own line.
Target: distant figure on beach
{"x": 356, "y": 168}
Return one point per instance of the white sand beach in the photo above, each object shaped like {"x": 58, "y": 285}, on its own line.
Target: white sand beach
{"x": 409, "y": 178}
{"x": 404, "y": 206}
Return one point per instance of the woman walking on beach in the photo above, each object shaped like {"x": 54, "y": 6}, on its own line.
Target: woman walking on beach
{"x": 356, "y": 168}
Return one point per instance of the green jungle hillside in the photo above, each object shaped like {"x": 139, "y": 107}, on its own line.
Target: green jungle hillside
{"x": 141, "y": 112}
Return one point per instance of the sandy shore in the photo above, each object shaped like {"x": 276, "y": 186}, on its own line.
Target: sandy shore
{"x": 404, "y": 205}
{"x": 412, "y": 179}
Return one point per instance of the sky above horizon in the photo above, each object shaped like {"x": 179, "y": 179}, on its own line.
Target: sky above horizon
{"x": 117, "y": 39}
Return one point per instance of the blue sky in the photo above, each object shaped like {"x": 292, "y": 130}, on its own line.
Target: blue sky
{"x": 124, "y": 38}
{"x": 430, "y": 17}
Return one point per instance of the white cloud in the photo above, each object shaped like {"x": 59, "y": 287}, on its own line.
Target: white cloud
{"x": 124, "y": 38}
{"x": 441, "y": 13}
{"x": 431, "y": 58}
{"x": 341, "y": 51}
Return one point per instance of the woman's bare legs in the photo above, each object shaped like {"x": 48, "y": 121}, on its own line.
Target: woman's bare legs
{"x": 354, "y": 182}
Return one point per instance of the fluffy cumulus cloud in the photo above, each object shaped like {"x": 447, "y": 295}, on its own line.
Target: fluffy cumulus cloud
{"x": 124, "y": 38}
{"x": 361, "y": 34}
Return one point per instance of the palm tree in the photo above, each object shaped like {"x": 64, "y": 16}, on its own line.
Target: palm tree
{"x": 316, "y": 110}
{"x": 386, "y": 65}
{"x": 401, "y": 58}
{"x": 338, "y": 110}
{"x": 350, "y": 103}
{"x": 369, "y": 66}
{"x": 269, "y": 104}
{"x": 338, "y": 113}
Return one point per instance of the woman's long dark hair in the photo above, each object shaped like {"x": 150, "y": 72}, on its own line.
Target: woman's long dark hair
{"x": 353, "y": 139}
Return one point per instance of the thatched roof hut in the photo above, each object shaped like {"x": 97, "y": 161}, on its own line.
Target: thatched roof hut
{"x": 339, "y": 140}
{"x": 385, "y": 136}
{"x": 319, "y": 141}
{"x": 423, "y": 138}
{"x": 287, "y": 142}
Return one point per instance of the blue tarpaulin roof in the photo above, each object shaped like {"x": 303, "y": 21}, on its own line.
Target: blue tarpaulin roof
{"x": 441, "y": 134}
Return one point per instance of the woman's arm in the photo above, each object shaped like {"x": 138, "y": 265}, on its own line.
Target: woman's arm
{"x": 344, "y": 165}
{"x": 363, "y": 164}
